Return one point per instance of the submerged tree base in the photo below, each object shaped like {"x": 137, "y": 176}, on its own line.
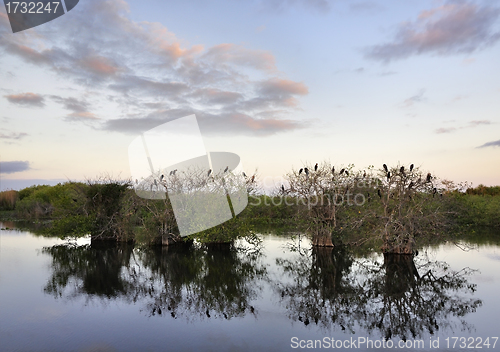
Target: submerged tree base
{"x": 322, "y": 241}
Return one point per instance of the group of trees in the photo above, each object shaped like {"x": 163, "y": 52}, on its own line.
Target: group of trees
{"x": 395, "y": 208}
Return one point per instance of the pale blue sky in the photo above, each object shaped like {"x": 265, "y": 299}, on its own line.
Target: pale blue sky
{"x": 279, "y": 82}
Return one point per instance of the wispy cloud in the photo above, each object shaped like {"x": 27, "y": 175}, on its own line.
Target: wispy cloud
{"x": 417, "y": 98}
{"x": 26, "y": 99}
{"x": 456, "y": 27}
{"x": 491, "y": 144}
{"x": 471, "y": 124}
{"x": 147, "y": 71}
{"x": 12, "y": 135}
{"x": 10, "y": 167}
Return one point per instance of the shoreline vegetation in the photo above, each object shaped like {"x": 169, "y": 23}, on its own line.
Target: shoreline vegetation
{"x": 397, "y": 209}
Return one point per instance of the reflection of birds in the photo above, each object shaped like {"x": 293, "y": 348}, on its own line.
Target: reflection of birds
{"x": 227, "y": 168}
{"x": 210, "y": 171}
{"x": 300, "y": 171}
{"x": 208, "y": 314}
{"x": 411, "y": 167}
{"x": 379, "y": 193}
{"x": 429, "y": 177}
{"x": 316, "y": 167}
{"x": 385, "y": 168}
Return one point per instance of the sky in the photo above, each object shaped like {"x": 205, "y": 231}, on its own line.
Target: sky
{"x": 281, "y": 83}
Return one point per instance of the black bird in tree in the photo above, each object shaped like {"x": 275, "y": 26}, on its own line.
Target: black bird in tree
{"x": 379, "y": 193}
{"x": 244, "y": 175}
{"x": 385, "y": 168}
{"x": 434, "y": 191}
{"x": 316, "y": 167}
{"x": 388, "y": 176}
{"x": 341, "y": 171}
{"x": 300, "y": 171}
{"x": 253, "y": 178}
{"x": 306, "y": 170}
{"x": 227, "y": 168}
{"x": 346, "y": 173}
{"x": 171, "y": 173}
{"x": 411, "y": 167}
{"x": 411, "y": 185}
{"x": 364, "y": 173}
{"x": 161, "y": 178}
{"x": 210, "y": 171}
{"x": 429, "y": 177}
{"x": 333, "y": 170}
{"x": 402, "y": 170}
{"x": 283, "y": 188}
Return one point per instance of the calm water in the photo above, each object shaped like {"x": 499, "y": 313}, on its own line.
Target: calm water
{"x": 60, "y": 296}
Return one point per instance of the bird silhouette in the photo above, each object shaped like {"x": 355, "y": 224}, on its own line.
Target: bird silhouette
{"x": 341, "y": 171}
{"x": 210, "y": 171}
{"x": 346, "y": 173}
{"x": 388, "y": 176}
{"x": 333, "y": 170}
{"x": 161, "y": 178}
{"x": 283, "y": 188}
{"x": 385, "y": 168}
{"x": 316, "y": 167}
{"x": 253, "y": 178}
{"x": 227, "y": 168}
{"x": 364, "y": 173}
{"x": 434, "y": 191}
{"x": 411, "y": 185}
{"x": 244, "y": 175}
{"x": 379, "y": 193}
{"x": 411, "y": 167}
{"x": 429, "y": 177}
{"x": 306, "y": 170}
{"x": 300, "y": 171}
{"x": 173, "y": 172}
{"x": 402, "y": 170}
{"x": 154, "y": 181}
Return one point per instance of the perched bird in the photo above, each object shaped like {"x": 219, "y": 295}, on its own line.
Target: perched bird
{"x": 253, "y": 178}
{"x": 411, "y": 185}
{"x": 379, "y": 193}
{"x": 402, "y": 171}
{"x": 341, "y": 171}
{"x": 434, "y": 191}
{"x": 364, "y": 173}
{"x": 316, "y": 167}
{"x": 411, "y": 167}
{"x": 388, "y": 176}
{"x": 154, "y": 181}
{"x": 429, "y": 177}
{"x": 300, "y": 171}
{"x": 333, "y": 170}
{"x": 171, "y": 173}
{"x": 306, "y": 170}
{"x": 227, "y": 168}
{"x": 385, "y": 168}
{"x": 161, "y": 178}
{"x": 244, "y": 175}
{"x": 210, "y": 171}
{"x": 346, "y": 173}
{"x": 208, "y": 314}
{"x": 283, "y": 188}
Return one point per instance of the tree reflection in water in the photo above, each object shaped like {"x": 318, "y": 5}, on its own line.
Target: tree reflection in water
{"x": 400, "y": 297}
{"x": 176, "y": 281}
